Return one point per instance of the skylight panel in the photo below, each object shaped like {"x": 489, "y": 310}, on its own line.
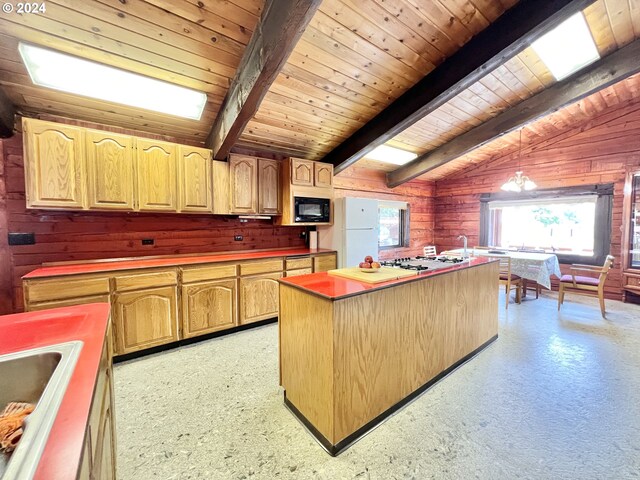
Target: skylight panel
{"x": 67, "y": 73}
{"x": 567, "y": 48}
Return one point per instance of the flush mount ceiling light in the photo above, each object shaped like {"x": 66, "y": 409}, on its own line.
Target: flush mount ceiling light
{"x": 568, "y": 47}
{"x": 67, "y": 73}
{"x": 387, "y": 154}
{"x": 518, "y": 182}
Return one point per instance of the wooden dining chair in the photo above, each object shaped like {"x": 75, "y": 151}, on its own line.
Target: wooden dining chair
{"x": 586, "y": 285}
{"x": 508, "y": 279}
{"x": 429, "y": 251}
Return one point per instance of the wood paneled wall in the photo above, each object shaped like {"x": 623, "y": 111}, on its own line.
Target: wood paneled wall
{"x": 366, "y": 183}
{"x": 63, "y": 236}
{"x": 596, "y": 152}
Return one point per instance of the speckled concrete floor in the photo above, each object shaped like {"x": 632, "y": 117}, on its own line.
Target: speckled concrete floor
{"x": 557, "y": 397}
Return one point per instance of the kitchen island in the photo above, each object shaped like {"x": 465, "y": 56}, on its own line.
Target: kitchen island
{"x": 352, "y": 353}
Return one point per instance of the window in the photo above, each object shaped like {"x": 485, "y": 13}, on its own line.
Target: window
{"x": 394, "y": 224}
{"x": 574, "y": 224}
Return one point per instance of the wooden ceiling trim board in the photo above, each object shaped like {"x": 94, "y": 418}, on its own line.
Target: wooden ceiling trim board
{"x": 372, "y": 33}
{"x": 634, "y": 9}
{"x": 503, "y": 39}
{"x": 338, "y": 33}
{"x": 428, "y": 40}
{"x": 240, "y": 12}
{"x": 333, "y": 75}
{"x": 536, "y": 66}
{"x": 58, "y": 10}
{"x": 179, "y": 28}
{"x": 620, "y": 18}
{"x": 7, "y": 115}
{"x": 289, "y": 70}
{"x": 359, "y": 61}
{"x": 205, "y": 18}
{"x": 490, "y": 9}
{"x": 616, "y": 67}
{"x": 76, "y": 41}
{"x": 417, "y": 18}
{"x": 598, "y": 21}
{"x": 279, "y": 29}
{"x": 468, "y": 14}
{"x": 524, "y": 74}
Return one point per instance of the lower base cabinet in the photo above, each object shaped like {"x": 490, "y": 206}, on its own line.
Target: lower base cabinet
{"x": 145, "y": 318}
{"x": 259, "y": 297}
{"x": 208, "y": 307}
{"x": 324, "y": 263}
{"x": 98, "y": 456}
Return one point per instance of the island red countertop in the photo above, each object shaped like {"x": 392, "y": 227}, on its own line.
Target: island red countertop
{"x": 335, "y": 287}
{"x": 88, "y": 323}
{"x": 109, "y": 265}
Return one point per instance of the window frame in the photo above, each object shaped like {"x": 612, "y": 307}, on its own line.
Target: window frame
{"x": 404, "y": 224}
{"x": 602, "y": 220}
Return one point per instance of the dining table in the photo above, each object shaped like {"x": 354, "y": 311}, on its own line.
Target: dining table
{"x": 534, "y": 266}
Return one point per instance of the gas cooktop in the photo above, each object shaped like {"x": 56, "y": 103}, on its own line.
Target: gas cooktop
{"x": 422, "y": 264}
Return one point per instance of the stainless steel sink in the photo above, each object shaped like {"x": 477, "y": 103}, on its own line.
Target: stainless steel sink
{"x": 39, "y": 376}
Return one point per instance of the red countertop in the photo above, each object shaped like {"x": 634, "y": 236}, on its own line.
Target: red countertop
{"x": 88, "y": 323}
{"x": 334, "y": 287}
{"x": 109, "y": 265}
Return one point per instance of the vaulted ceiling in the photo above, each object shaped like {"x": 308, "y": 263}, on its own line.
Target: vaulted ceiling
{"x": 353, "y": 60}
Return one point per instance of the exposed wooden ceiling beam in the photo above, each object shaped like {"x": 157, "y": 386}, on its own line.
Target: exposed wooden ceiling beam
{"x": 506, "y": 37}
{"x": 7, "y": 115}
{"x": 279, "y": 29}
{"x": 615, "y": 67}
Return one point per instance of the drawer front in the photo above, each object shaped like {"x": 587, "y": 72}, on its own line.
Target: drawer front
{"x": 200, "y": 274}
{"x": 261, "y": 267}
{"x": 32, "y": 307}
{"x": 146, "y": 280}
{"x": 324, "y": 263}
{"x": 300, "y": 271}
{"x": 295, "y": 263}
{"x": 63, "y": 288}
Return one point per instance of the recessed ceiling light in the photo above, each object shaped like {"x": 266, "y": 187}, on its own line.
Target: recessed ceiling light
{"x": 568, "y": 47}
{"x": 75, "y": 75}
{"x": 387, "y": 154}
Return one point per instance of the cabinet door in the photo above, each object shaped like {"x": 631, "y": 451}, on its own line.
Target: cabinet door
{"x": 208, "y": 307}
{"x": 259, "y": 297}
{"x": 54, "y": 165}
{"x": 194, "y": 177}
{"x": 324, "y": 263}
{"x": 110, "y": 183}
{"x": 301, "y": 172}
{"x": 157, "y": 183}
{"x": 269, "y": 187}
{"x": 104, "y": 462}
{"x": 323, "y": 174}
{"x": 243, "y": 182}
{"x": 145, "y": 318}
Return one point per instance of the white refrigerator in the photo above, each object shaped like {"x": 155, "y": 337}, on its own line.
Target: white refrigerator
{"x": 354, "y": 233}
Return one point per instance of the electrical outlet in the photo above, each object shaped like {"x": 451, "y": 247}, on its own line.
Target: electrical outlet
{"x": 148, "y": 241}
{"x": 238, "y": 238}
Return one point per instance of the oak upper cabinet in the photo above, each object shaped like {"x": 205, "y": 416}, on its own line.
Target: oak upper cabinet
{"x": 208, "y": 307}
{"x": 269, "y": 202}
{"x": 110, "y": 171}
{"x": 243, "y": 182}
{"x": 145, "y": 318}
{"x": 156, "y": 172}
{"x": 259, "y": 297}
{"x": 194, "y": 179}
{"x": 54, "y": 165}
{"x": 322, "y": 174}
{"x": 302, "y": 172}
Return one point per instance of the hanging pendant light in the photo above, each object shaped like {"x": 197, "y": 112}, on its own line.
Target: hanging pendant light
{"x": 519, "y": 182}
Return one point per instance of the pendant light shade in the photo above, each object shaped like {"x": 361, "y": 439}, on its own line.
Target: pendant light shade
{"x": 519, "y": 182}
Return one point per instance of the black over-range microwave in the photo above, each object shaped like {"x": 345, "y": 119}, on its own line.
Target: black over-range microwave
{"x": 312, "y": 210}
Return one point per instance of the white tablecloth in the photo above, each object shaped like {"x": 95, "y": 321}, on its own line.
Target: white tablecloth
{"x": 533, "y": 266}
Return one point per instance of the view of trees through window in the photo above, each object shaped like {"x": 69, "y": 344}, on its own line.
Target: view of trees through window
{"x": 554, "y": 227}
{"x": 390, "y": 227}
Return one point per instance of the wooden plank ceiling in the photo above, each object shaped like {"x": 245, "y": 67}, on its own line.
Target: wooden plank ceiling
{"x": 354, "y": 59}
{"x": 197, "y": 44}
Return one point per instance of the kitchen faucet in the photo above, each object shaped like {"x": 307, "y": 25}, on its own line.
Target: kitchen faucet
{"x": 463, "y": 237}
